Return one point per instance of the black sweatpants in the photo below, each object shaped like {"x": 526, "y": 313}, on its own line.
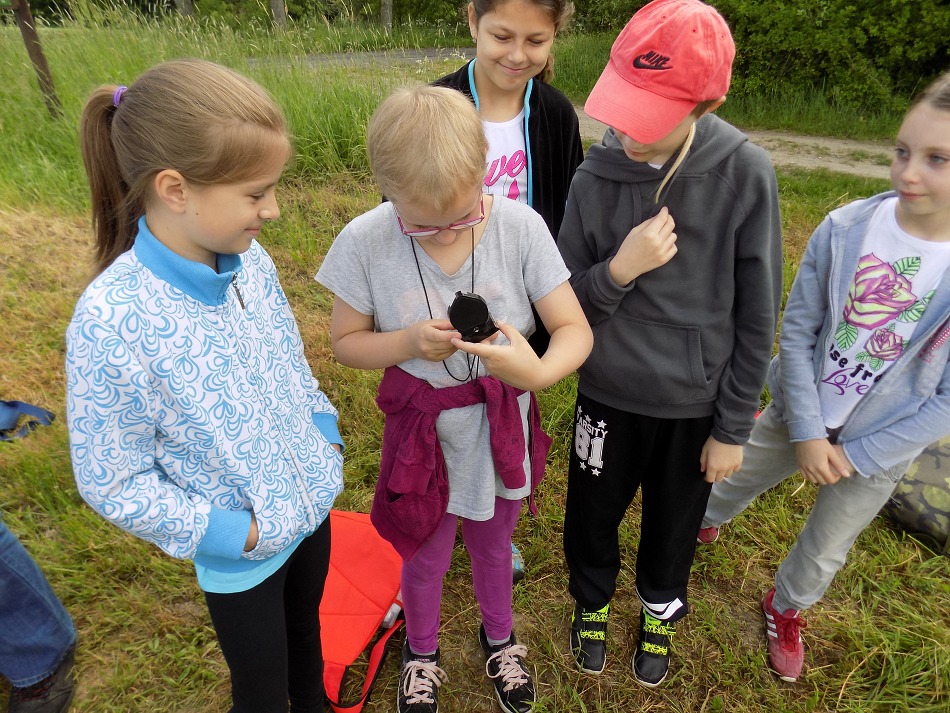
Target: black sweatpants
{"x": 270, "y": 634}
{"x": 614, "y": 453}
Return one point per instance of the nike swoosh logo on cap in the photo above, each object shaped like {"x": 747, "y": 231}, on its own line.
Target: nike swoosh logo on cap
{"x": 651, "y": 60}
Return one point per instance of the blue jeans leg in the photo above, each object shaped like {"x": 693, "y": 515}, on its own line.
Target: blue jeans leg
{"x": 35, "y": 629}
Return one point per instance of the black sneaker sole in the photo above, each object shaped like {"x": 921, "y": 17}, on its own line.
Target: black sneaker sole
{"x": 591, "y": 671}
{"x": 645, "y": 683}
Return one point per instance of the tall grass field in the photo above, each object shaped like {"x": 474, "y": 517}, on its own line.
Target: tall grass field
{"x": 878, "y": 641}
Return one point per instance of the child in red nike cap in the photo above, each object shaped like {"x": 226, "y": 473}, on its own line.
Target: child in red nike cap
{"x": 673, "y": 240}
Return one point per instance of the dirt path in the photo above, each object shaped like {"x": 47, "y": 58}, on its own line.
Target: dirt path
{"x": 860, "y": 158}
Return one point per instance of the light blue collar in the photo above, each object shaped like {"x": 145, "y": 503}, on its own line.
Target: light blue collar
{"x": 193, "y": 278}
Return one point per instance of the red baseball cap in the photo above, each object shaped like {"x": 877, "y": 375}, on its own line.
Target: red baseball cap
{"x": 672, "y": 55}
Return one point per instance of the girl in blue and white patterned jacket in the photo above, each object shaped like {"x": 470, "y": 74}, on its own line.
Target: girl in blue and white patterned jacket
{"x": 194, "y": 420}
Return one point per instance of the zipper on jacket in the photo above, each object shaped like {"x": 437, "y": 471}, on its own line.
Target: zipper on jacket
{"x": 939, "y": 339}
{"x": 237, "y": 291}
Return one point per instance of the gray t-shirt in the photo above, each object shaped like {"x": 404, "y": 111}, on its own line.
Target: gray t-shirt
{"x": 371, "y": 267}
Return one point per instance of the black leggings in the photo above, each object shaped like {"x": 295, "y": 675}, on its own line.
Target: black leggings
{"x": 270, "y": 634}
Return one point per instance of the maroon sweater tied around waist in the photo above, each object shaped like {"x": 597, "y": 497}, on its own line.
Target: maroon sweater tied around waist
{"x": 412, "y": 492}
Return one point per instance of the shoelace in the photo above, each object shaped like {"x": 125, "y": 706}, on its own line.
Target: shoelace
{"x": 421, "y": 679}
{"x": 789, "y": 630}
{"x": 510, "y": 669}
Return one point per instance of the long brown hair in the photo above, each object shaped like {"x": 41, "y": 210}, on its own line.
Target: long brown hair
{"x": 560, "y": 12}
{"x": 203, "y": 120}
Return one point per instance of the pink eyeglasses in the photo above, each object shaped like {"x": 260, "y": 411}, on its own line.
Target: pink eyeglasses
{"x": 426, "y": 232}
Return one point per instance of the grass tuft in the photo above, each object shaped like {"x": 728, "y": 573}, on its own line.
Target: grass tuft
{"x": 876, "y": 642}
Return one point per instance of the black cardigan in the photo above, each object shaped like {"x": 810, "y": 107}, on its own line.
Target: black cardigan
{"x": 555, "y": 141}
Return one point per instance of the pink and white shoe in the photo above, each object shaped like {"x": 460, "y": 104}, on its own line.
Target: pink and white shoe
{"x": 707, "y": 535}
{"x": 786, "y": 650}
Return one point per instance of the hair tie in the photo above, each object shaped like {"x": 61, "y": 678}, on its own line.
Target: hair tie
{"x": 117, "y": 95}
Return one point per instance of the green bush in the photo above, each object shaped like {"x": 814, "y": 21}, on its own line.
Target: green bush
{"x": 868, "y": 54}
{"x": 603, "y": 15}
{"x": 441, "y": 12}
{"x": 873, "y": 54}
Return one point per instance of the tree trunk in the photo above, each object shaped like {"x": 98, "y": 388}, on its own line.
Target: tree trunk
{"x": 386, "y": 14}
{"x": 186, "y": 7}
{"x": 24, "y": 18}
{"x": 279, "y": 12}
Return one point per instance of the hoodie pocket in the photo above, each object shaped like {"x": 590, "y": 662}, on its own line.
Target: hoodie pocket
{"x": 648, "y": 361}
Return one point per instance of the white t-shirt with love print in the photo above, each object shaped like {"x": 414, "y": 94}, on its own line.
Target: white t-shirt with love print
{"x": 895, "y": 279}
{"x": 507, "y": 174}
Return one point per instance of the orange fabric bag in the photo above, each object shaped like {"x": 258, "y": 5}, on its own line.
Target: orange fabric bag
{"x": 362, "y": 585}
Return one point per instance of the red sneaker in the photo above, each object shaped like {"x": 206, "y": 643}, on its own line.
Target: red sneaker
{"x": 707, "y": 535}
{"x": 786, "y": 651}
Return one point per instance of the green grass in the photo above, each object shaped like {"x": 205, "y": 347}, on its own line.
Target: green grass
{"x": 807, "y": 113}
{"x": 327, "y": 106}
{"x": 876, "y": 642}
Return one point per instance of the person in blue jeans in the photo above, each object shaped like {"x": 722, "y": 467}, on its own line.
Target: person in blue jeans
{"x": 37, "y": 637}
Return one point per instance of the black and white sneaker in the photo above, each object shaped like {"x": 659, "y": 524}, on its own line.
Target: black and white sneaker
{"x": 506, "y": 668}
{"x": 651, "y": 660}
{"x": 419, "y": 682}
{"x": 589, "y": 638}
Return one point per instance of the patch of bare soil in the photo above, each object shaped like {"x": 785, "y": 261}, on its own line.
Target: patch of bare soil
{"x": 860, "y": 158}
{"x": 45, "y": 260}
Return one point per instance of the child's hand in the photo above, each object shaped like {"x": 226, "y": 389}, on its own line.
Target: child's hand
{"x": 253, "y": 535}
{"x": 843, "y": 461}
{"x": 514, "y": 363}
{"x": 822, "y": 463}
{"x": 431, "y": 340}
{"x": 648, "y": 246}
{"x": 719, "y": 460}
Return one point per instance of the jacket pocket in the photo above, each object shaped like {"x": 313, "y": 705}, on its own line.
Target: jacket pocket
{"x": 648, "y": 361}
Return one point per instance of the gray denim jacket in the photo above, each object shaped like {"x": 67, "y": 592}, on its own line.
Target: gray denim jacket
{"x": 909, "y": 407}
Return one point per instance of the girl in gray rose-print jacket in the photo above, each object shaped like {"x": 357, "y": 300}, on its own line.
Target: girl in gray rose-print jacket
{"x": 861, "y": 383}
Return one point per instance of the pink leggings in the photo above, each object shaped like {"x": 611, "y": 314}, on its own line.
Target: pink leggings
{"x": 489, "y": 547}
